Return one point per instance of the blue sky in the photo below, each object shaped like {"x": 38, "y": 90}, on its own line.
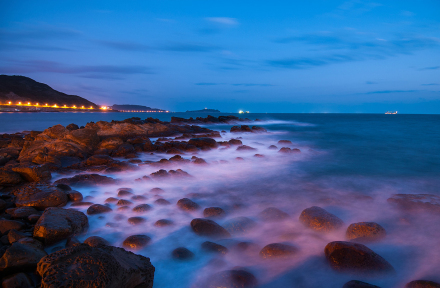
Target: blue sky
{"x": 261, "y": 56}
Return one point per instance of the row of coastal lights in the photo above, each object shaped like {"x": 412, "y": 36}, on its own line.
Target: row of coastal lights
{"x": 51, "y": 106}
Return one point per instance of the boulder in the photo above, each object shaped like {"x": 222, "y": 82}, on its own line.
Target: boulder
{"x": 214, "y": 212}
{"x": 94, "y": 241}
{"x": 72, "y": 127}
{"x": 123, "y": 202}
{"x": 136, "y": 220}
{"x": 87, "y": 180}
{"x": 365, "y": 232}
{"x": 85, "y": 137}
{"x": 98, "y": 160}
{"x": 57, "y": 224}
{"x": 209, "y": 228}
{"x": 182, "y": 253}
{"x": 278, "y": 250}
{"x": 10, "y": 178}
{"x": 319, "y": 219}
{"x": 98, "y": 209}
{"x": 358, "y": 284}
{"x": 287, "y": 150}
{"x": 232, "y": 279}
{"x": 353, "y": 257}
{"x": 6, "y": 225}
{"x": 101, "y": 266}
{"x": 416, "y": 202}
{"x": 239, "y": 129}
{"x": 273, "y": 214}
{"x": 245, "y": 148}
{"x": 187, "y": 204}
{"x": 284, "y": 142}
{"x": 20, "y": 257}
{"x": 235, "y": 142}
{"x": 14, "y": 235}
{"x": 162, "y": 201}
{"x": 75, "y": 196}
{"x": 136, "y": 241}
{"x": 18, "y": 280}
{"x": 142, "y": 208}
{"x": 422, "y": 284}
{"x": 214, "y": 247}
{"x": 22, "y": 212}
{"x": 163, "y": 223}
{"x": 203, "y": 142}
{"x": 40, "y": 196}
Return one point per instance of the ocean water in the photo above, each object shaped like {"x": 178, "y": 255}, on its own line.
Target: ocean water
{"x": 349, "y": 165}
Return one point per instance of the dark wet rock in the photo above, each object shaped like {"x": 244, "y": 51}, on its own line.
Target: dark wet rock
{"x": 138, "y": 198}
{"x": 34, "y": 173}
{"x": 239, "y": 129}
{"x": 136, "y": 241}
{"x": 20, "y": 257}
{"x": 98, "y": 160}
{"x": 10, "y": 178}
{"x": 123, "y": 150}
{"x": 64, "y": 187}
{"x": 34, "y": 218}
{"x": 319, "y": 219}
{"x": 239, "y": 225}
{"x": 232, "y": 279}
{"x": 136, "y": 220}
{"x": 162, "y": 201}
{"x": 273, "y": 214}
{"x": 272, "y": 147}
{"x": 235, "y": 142}
{"x": 214, "y": 247}
{"x": 123, "y": 202}
{"x": 72, "y": 127}
{"x": 122, "y": 193}
{"x": 187, "y": 204}
{"x": 358, "y": 284}
{"x": 3, "y": 205}
{"x": 284, "y": 142}
{"x": 81, "y": 204}
{"x": 57, "y": 224}
{"x": 6, "y": 225}
{"x": 31, "y": 241}
{"x": 22, "y": 212}
{"x": 98, "y": 209}
{"x": 74, "y": 196}
{"x": 365, "y": 232}
{"x": 259, "y": 155}
{"x": 245, "y": 148}
{"x": 123, "y": 208}
{"x": 422, "y": 284}
{"x": 257, "y": 129}
{"x": 239, "y": 159}
{"x": 18, "y": 280}
{"x": 353, "y": 257}
{"x": 416, "y": 202}
{"x": 178, "y": 173}
{"x": 206, "y": 227}
{"x": 203, "y": 142}
{"x": 278, "y": 250}
{"x": 163, "y": 223}
{"x": 40, "y": 196}
{"x": 214, "y": 212}
{"x": 142, "y": 208}
{"x": 182, "y": 253}
{"x": 156, "y": 190}
{"x": 199, "y": 161}
{"x": 160, "y": 173}
{"x": 86, "y": 180}
{"x": 287, "y": 150}
{"x": 14, "y": 235}
{"x": 94, "y": 241}
{"x": 101, "y": 266}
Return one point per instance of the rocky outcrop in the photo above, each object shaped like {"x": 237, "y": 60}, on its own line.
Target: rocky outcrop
{"x": 353, "y": 257}
{"x": 209, "y": 228}
{"x": 86, "y": 180}
{"x": 319, "y": 219}
{"x": 20, "y": 257}
{"x": 40, "y": 196}
{"x": 101, "y": 266}
{"x": 278, "y": 250}
{"x": 57, "y": 224}
{"x": 203, "y": 142}
{"x": 246, "y": 128}
{"x": 365, "y": 232}
{"x": 187, "y": 204}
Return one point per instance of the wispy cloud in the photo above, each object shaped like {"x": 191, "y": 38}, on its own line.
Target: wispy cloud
{"x": 252, "y": 85}
{"x": 39, "y": 32}
{"x": 391, "y": 91}
{"x": 430, "y": 68}
{"x": 124, "y": 45}
{"x": 206, "y": 84}
{"x": 188, "y": 47}
{"x": 223, "y": 20}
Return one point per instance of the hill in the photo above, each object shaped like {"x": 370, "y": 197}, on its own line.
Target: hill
{"x": 206, "y": 110}
{"x": 130, "y": 107}
{"x": 24, "y": 89}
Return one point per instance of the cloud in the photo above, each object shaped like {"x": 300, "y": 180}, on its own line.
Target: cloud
{"x": 430, "y": 68}
{"x": 252, "y": 84}
{"x": 392, "y": 91}
{"x": 39, "y": 32}
{"x": 124, "y": 45}
{"x": 223, "y": 21}
{"x": 205, "y": 84}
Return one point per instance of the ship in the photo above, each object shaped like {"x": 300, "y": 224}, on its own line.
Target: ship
{"x": 391, "y": 112}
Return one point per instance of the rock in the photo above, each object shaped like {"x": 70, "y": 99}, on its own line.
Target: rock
{"x": 156, "y": 190}
{"x": 87, "y": 180}
{"x": 10, "y": 178}
{"x": 162, "y": 201}
{"x": 123, "y": 150}
{"x": 98, "y": 209}
{"x": 72, "y": 127}
{"x": 22, "y": 212}
{"x": 75, "y": 196}
{"x": 232, "y": 279}
{"x": 182, "y": 253}
{"x": 284, "y": 142}
{"x": 365, "y": 232}
{"x": 273, "y": 214}
{"x": 278, "y": 250}
{"x": 287, "y": 150}
{"x": 358, "y": 284}
{"x": 101, "y": 266}
{"x": 31, "y": 241}
{"x": 422, "y": 284}
{"x": 199, "y": 161}
{"x": 64, "y": 187}
{"x": 142, "y": 208}
{"x": 203, "y": 142}
{"x": 136, "y": 220}
{"x": 214, "y": 212}
{"x": 80, "y": 204}
{"x": 235, "y": 142}
{"x": 214, "y": 247}
{"x": 239, "y": 129}
{"x": 57, "y": 224}
{"x": 136, "y": 241}
{"x": 40, "y": 196}
{"x": 319, "y": 219}
{"x": 111, "y": 200}
{"x": 6, "y": 225}
{"x": 187, "y": 204}
{"x": 34, "y": 218}
{"x": 19, "y": 280}
{"x": 20, "y": 257}
{"x": 33, "y": 174}
{"x": 14, "y": 235}
{"x": 272, "y": 147}
{"x": 239, "y": 225}
{"x": 209, "y": 228}
{"x": 3, "y": 205}
{"x": 98, "y": 160}
{"x": 94, "y": 241}
{"x": 416, "y": 202}
{"x": 353, "y": 257}
{"x": 139, "y": 198}
{"x": 163, "y": 223}
{"x": 245, "y": 148}
{"x": 123, "y": 202}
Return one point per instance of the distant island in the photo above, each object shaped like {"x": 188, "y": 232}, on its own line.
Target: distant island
{"x": 134, "y": 108}
{"x": 205, "y": 110}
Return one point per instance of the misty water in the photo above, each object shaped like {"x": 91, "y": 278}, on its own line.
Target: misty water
{"x": 349, "y": 165}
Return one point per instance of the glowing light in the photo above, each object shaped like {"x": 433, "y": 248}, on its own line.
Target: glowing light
{"x": 29, "y": 103}
{"x": 91, "y": 107}
{"x": 19, "y": 103}
{"x": 37, "y": 104}
{"x": 65, "y": 106}
{"x": 45, "y": 105}
{"x": 55, "y": 106}
{"x": 74, "y": 107}
{"x": 9, "y": 102}
{"x": 240, "y": 112}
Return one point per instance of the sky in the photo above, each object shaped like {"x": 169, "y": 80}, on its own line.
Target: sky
{"x": 323, "y": 56}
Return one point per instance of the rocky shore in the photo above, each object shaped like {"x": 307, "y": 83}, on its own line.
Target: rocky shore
{"x": 39, "y": 244}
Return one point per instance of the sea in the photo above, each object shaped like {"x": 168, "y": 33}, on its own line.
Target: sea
{"x": 349, "y": 164}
